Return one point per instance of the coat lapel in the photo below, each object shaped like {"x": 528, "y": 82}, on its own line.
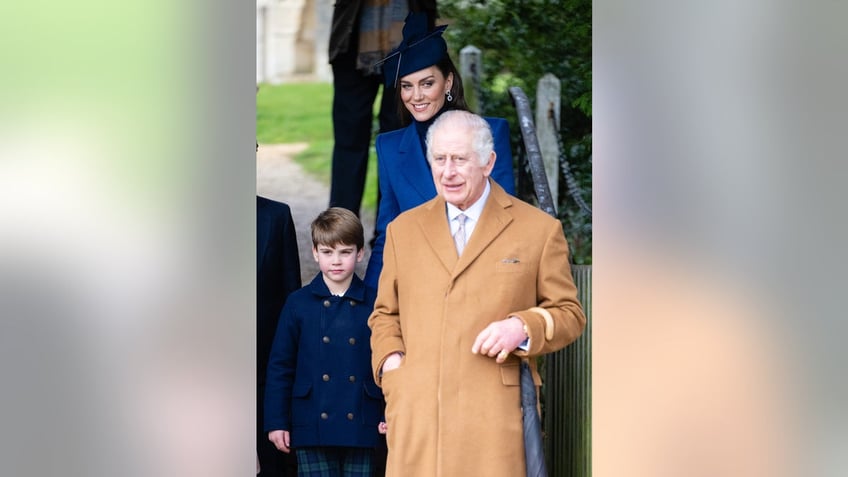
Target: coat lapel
{"x": 493, "y": 220}
{"x": 263, "y": 232}
{"x": 413, "y": 165}
{"x": 434, "y": 225}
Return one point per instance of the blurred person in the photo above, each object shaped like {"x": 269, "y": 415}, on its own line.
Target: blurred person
{"x": 428, "y": 84}
{"x": 321, "y": 399}
{"x": 277, "y": 275}
{"x": 363, "y": 32}
{"x": 474, "y": 281}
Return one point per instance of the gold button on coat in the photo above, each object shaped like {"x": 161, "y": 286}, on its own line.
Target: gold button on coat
{"x": 352, "y": 341}
{"x": 326, "y": 377}
{"x": 326, "y": 339}
{"x": 350, "y": 416}
{"x": 326, "y": 303}
{"x": 324, "y": 415}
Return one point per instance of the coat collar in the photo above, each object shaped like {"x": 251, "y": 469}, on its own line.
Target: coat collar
{"x": 494, "y": 219}
{"x": 263, "y": 230}
{"x": 355, "y": 292}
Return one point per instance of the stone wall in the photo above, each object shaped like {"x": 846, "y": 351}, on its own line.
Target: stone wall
{"x": 292, "y": 37}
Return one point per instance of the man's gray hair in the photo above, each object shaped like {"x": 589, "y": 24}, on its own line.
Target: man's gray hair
{"x": 481, "y": 134}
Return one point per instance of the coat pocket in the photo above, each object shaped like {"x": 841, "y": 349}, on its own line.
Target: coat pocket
{"x": 301, "y": 404}
{"x": 372, "y": 404}
{"x": 372, "y": 391}
{"x": 302, "y": 390}
{"x": 510, "y": 374}
{"x": 511, "y": 265}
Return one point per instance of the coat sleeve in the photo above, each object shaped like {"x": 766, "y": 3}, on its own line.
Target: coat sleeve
{"x": 386, "y": 334}
{"x": 388, "y": 210}
{"x": 277, "y": 273}
{"x": 503, "y": 172}
{"x": 558, "y": 318}
{"x": 281, "y": 372}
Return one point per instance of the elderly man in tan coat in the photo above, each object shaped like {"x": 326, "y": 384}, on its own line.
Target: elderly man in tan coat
{"x": 460, "y": 301}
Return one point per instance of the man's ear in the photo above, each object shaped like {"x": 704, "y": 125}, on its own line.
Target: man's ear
{"x": 491, "y": 165}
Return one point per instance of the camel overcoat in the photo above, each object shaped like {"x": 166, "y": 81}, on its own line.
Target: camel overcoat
{"x": 452, "y": 413}
{"x": 406, "y": 180}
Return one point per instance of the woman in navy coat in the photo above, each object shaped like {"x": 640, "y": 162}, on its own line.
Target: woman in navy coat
{"x": 427, "y": 84}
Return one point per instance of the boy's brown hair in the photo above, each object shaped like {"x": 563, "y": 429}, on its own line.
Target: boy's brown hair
{"x": 336, "y": 226}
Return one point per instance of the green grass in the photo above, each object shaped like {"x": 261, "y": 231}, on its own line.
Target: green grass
{"x": 301, "y": 112}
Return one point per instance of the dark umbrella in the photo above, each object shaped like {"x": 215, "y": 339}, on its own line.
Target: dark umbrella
{"x": 534, "y": 454}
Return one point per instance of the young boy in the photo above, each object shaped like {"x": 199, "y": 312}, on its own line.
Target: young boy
{"x": 320, "y": 396}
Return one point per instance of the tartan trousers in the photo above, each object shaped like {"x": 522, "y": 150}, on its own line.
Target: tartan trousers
{"x": 335, "y": 462}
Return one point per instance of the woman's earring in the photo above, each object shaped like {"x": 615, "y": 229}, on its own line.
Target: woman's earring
{"x": 448, "y": 96}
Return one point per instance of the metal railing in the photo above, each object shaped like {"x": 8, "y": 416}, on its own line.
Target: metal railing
{"x": 566, "y": 393}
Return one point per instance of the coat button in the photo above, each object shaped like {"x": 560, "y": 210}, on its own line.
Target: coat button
{"x": 352, "y": 303}
{"x": 352, "y": 341}
{"x": 326, "y": 377}
{"x": 324, "y": 416}
{"x": 325, "y": 339}
{"x": 350, "y": 416}
{"x": 326, "y": 303}
{"x": 352, "y": 379}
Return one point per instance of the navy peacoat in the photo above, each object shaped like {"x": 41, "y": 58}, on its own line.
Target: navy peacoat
{"x": 319, "y": 385}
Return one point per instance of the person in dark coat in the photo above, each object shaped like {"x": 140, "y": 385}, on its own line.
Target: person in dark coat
{"x": 277, "y": 275}
{"x": 320, "y": 398}
{"x": 362, "y": 33}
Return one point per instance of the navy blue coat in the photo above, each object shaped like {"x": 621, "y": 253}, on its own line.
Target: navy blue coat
{"x": 320, "y": 386}
{"x": 277, "y": 273}
{"x": 406, "y": 180}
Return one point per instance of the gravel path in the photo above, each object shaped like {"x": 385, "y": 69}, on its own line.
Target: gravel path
{"x": 279, "y": 178}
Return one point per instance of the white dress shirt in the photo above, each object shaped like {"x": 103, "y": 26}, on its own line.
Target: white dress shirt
{"x": 472, "y": 214}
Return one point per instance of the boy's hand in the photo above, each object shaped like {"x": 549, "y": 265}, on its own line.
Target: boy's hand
{"x": 280, "y": 440}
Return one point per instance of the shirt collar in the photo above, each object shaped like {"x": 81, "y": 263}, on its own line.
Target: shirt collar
{"x": 476, "y": 208}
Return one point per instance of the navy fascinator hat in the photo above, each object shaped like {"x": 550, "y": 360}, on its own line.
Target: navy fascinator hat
{"x": 419, "y": 49}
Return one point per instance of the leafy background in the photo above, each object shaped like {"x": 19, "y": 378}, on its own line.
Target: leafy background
{"x": 521, "y": 41}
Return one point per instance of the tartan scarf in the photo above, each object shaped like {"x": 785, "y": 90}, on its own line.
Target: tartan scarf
{"x": 380, "y": 31}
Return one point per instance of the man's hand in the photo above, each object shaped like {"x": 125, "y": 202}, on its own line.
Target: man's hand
{"x": 280, "y": 440}
{"x": 500, "y": 338}
{"x": 392, "y": 362}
